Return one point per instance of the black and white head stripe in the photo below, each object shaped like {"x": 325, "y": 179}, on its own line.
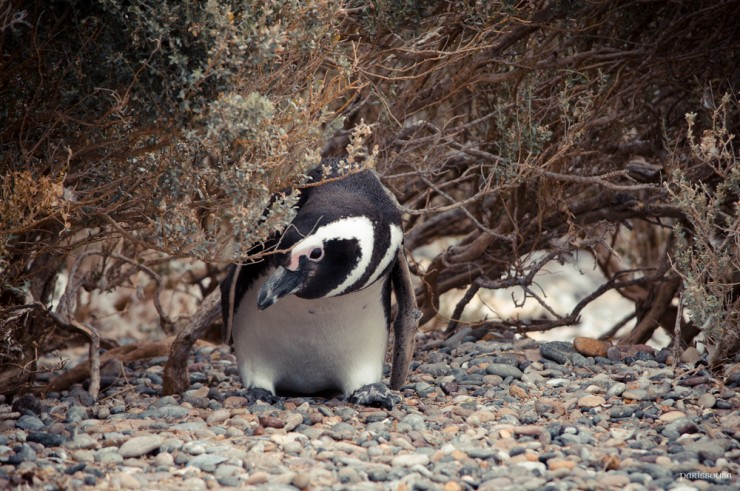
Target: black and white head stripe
{"x": 388, "y": 247}
{"x": 377, "y": 245}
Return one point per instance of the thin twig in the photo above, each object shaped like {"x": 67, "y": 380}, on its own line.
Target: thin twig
{"x": 94, "y": 336}
{"x": 598, "y": 180}
{"x": 677, "y": 329}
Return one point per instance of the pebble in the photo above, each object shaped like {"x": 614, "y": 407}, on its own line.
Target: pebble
{"x": 504, "y": 370}
{"x": 140, "y": 445}
{"x": 617, "y": 389}
{"x": 225, "y": 470}
{"x": 678, "y": 427}
{"x": 613, "y": 354}
{"x": 170, "y": 412}
{"x": 637, "y": 395}
{"x": 83, "y": 456}
{"x": 556, "y": 464}
{"x": 410, "y": 460}
{"x": 29, "y": 422}
{"x": 79, "y": 397}
{"x": 495, "y": 484}
{"x": 435, "y": 369}
{"x": 46, "y": 439}
{"x": 259, "y": 477}
{"x": 708, "y": 450}
{"x": 707, "y": 401}
{"x": 235, "y": 402}
{"x": 475, "y": 414}
{"x": 591, "y": 347}
{"x": 164, "y": 459}
{"x": 621, "y": 433}
{"x": 690, "y": 355}
{"x": 76, "y": 413}
{"x": 218, "y": 416}
{"x": 694, "y": 381}
{"x": 612, "y": 480}
{"x": 669, "y": 416}
{"x": 207, "y": 462}
{"x": 579, "y": 360}
{"x": 194, "y": 448}
{"x": 591, "y": 401}
{"x": 82, "y": 441}
{"x": 536, "y": 468}
{"x": 27, "y": 404}
{"x": 194, "y": 484}
{"x": 557, "y": 351}
{"x": 481, "y": 416}
{"x": 292, "y": 421}
{"x": 271, "y": 422}
{"x": 517, "y": 391}
{"x": 415, "y": 421}
{"x": 125, "y": 481}
{"x": 348, "y": 475}
{"x": 109, "y": 457}
{"x": 21, "y": 453}
{"x": 618, "y": 412}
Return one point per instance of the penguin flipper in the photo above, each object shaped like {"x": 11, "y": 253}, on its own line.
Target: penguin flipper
{"x": 406, "y": 321}
{"x": 239, "y": 278}
{"x": 228, "y": 302}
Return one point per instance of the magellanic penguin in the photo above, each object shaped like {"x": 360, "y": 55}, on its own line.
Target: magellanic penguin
{"x": 316, "y": 319}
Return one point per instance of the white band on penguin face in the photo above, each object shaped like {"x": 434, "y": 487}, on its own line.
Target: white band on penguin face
{"x": 350, "y": 228}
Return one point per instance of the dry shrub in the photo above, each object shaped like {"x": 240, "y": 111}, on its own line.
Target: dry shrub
{"x": 518, "y": 132}
{"x": 707, "y": 255}
{"x": 526, "y": 132}
{"x": 134, "y": 134}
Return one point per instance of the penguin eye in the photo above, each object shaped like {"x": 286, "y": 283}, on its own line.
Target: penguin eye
{"x": 316, "y": 254}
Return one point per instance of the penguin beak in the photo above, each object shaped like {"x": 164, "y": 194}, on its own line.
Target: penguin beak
{"x": 282, "y": 282}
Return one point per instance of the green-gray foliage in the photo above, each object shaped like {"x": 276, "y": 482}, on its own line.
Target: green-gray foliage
{"x": 200, "y": 110}
{"x": 708, "y": 245}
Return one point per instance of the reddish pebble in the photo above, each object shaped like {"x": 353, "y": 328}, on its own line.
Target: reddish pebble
{"x": 271, "y": 422}
{"x": 591, "y": 347}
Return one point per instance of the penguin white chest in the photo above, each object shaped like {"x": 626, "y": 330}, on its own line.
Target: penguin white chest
{"x": 308, "y": 346}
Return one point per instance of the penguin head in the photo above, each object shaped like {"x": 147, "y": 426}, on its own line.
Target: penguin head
{"x": 331, "y": 260}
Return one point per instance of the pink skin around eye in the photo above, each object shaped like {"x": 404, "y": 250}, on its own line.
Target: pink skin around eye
{"x": 297, "y": 254}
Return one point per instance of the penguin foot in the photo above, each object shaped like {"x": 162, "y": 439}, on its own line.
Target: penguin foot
{"x": 375, "y": 395}
{"x": 254, "y": 394}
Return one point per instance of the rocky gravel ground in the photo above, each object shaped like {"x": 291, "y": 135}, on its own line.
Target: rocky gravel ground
{"x": 477, "y": 414}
